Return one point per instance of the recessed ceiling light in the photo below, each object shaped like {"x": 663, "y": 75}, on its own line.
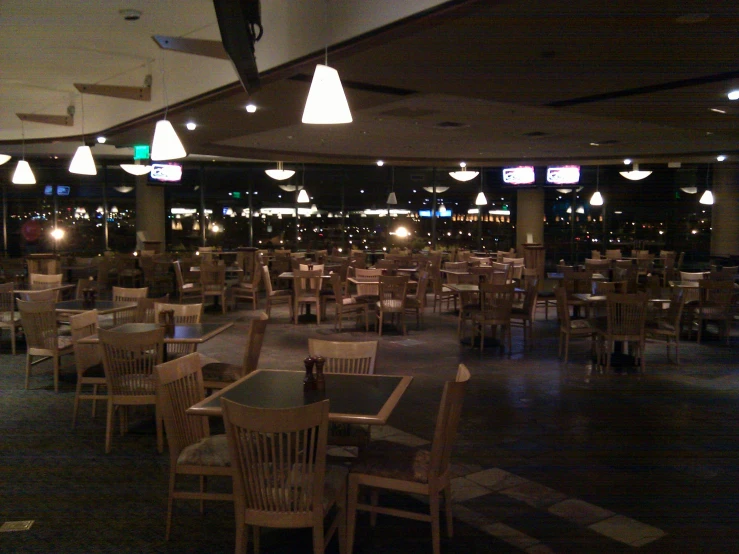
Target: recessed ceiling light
{"x": 251, "y": 108}
{"x": 380, "y": 163}
{"x": 717, "y": 110}
{"x": 191, "y": 125}
{"x": 101, "y": 140}
{"x": 627, "y": 161}
{"x": 720, "y": 158}
{"x": 733, "y": 95}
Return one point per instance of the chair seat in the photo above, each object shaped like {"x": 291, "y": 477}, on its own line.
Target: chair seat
{"x": 64, "y": 342}
{"x": 659, "y": 325}
{"x": 210, "y": 451}
{"x": 280, "y": 293}
{"x": 95, "y": 371}
{"x": 393, "y": 461}
{"x": 390, "y": 305}
{"x": 221, "y": 371}
{"x": 580, "y": 324}
{"x": 412, "y": 302}
{"x": 352, "y": 301}
{"x": 244, "y": 287}
{"x": 709, "y": 312}
{"x": 137, "y": 384}
{"x": 191, "y": 287}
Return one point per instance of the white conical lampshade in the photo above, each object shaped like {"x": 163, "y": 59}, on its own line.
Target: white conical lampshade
{"x": 82, "y": 162}
{"x": 23, "y": 174}
{"x": 136, "y": 169}
{"x": 596, "y": 199}
{"x": 326, "y": 103}
{"x": 481, "y": 200}
{"x": 392, "y": 199}
{"x": 303, "y": 197}
{"x": 4, "y": 158}
{"x": 166, "y": 144}
{"x": 707, "y": 198}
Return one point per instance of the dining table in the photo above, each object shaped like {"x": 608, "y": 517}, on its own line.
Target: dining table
{"x": 354, "y": 398}
{"x": 182, "y": 333}
{"x": 102, "y": 306}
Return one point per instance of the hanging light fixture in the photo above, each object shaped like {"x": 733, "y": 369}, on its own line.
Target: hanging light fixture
{"x": 597, "y": 198}
{"x": 303, "y": 197}
{"x": 4, "y": 158}
{"x": 82, "y": 162}
{"x": 635, "y": 174}
{"x": 166, "y": 145}
{"x": 442, "y": 208}
{"x": 326, "y": 103}
{"x": 279, "y": 174}
{"x": 481, "y": 200}
{"x": 23, "y": 174}
{"x": 391, "y": 198}
{"x": 136, "y": 169}
{"x": 707, "y": 197}
{"x": 464, "y": 175}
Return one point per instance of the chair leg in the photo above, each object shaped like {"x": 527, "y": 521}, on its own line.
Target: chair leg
{"x": 379, "y": 323}
{"x": 77, "y": 392}
{"x": 448, "y": 508}
{"x": 374, "y": 500}
{"x": 12, "y": 339}
{"x": 351, "y": 513}
{"x": 28, "y": 368}
{"x": 341, "y": 507}
{"x": 435, "y": 531}
{"x": 56, "y": 373}
{"x": 170, "y": 502}
{"x": 318, "y": 545}
{"x": 109, "y": 427}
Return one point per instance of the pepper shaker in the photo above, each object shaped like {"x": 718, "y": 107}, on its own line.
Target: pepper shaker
{"x": 320, "y": 379}
{"x": 309, "y": 382}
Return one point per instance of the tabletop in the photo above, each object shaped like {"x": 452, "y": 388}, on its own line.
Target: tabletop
{"x": 366, "y": 399}
{"x": 455, "y": 271}
{"x": 462, "y": 287}
{"x": 591, "y": 298}
{"x": 289, "y": 275}
{"x": 560, "y": 276}
{"x": 68, "y": 286}
{"x": 184, "y": 333}
{"x": 102, "y": 306}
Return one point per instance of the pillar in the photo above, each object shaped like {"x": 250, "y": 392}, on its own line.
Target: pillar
{"x": 725, "y": 210}
{"x": 529, "y": 218}
{"x": 150, "y": 212}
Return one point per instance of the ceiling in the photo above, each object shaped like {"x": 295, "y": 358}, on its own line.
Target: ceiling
{"x": 487, "y": 82}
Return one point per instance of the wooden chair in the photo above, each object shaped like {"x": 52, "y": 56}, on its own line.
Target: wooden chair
{"x": 129, "y": 360}
{"x": 279, "y": 296}
{"x": 213, "y": 283}
{"x": 145, "y": 308}
{"x": 186, "y": 289}
{"x": 524, "y": 316}
{"x": 625, "y": 322}
{"x": 183, "y": 313}
{"x": 668, "y": 326}
{"x": 9, "y": 318}
{"x": 217, "y": 375}
{"x": 346, "y": 305}
{"x": 392, "y": 300}
{"x": 357, "y": 357}
{"x": 414, "y": 470}
{"x": 715, "y": 303}
{"x": 43, "y": 295}
{"x": 42, "y": 336}
{"x": 371, "y": 290}
{"x": 248, "y": 290}
{"x": 692, "y": 295}
{"x": 568, "y": 327}
{"x": 495, "y": 310}
{"x": 416, "y": 303}
{"x": 440, "y": 291}
{"x": 306, "y": 292}
{"x": 280, "y": 474}
{"x": 192, "y": 449}
{"x": 41, "y": 281}
{"x": 124, "y": 294}
{"x": 89, "y": 361}
{"x": 516, "y": 267}
{"x": 614, "y": 254}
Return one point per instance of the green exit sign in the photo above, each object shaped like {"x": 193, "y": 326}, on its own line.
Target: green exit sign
{"x": 141, "y": 152}
{"x": 236, "y": 194}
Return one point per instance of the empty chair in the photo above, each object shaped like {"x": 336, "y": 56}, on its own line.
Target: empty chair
{"x": 213, "y": 283}
{"x": 625, "y": 322}
{"x": 40, "y": 281}
{"x": 145, "y": 309}
{"x": 183, "y": 313}
{"x": 614, "y": 254}
{"x": 280, "y": 474}
{"x": 307, "y": 290}
{"x": 192, "y": 449}
{"x": 495, "y": 311}
{"x": 668, "y": 326}
{"x": 385, "y": 465}
{"x": 345, "y": 356}
{"x": 416, "y": 303}
{"x": 9, "y": 319}
{"x": 517, "y": 269}
{"x": 129, "y": 295}
{"x": 439, "y": 290}
{"x": 371, "y": 290}
{"x": 714, "y": 304}
{"x": 392, "y": 300}
{"x": 275, "y": 296}
{"x": 692, "y": 295}
{"x": 524, "y": 316}
{"x": 86, "y": 284}
{"x": 345, "y": 305}
{"x": 42, "y": 336}
{"x": 248, "y": 289}
{"x": 568, "y": 327}
{"x": 186, "y": 288}
{"x": 217, "y": 375}
{"x": 129, "y": 360}
{"x": 89, "y": 361}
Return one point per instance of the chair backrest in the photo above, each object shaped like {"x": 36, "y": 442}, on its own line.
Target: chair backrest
{"x": 594, "y": 255}
{"x": 532, "y": 295}
{"x": 423, "y": 282}
{"x": 279, "y": 461}
{"x": 563, "y": 310}
{"x": 345, "y": 356}
{"x": 578, "y": 282}
{"x": 183, "y": 313}
{"x": 267, "y": 281}
{"x": 179, "y": 385}
{"x": 254, "y": 341}
{"x": 7, "y": 298}
{"x": 597, "y": 264}
{"x": 41, "y": 281}
{"x": 447, "y": 422}
{"x": 368, "y": 275}
{"x": 212, "y": 277}
{"x": 125, "y": 294}
{"x": 338, "y": 288}
{"x": 145, "y": 308}
{"x": 178, "y": 273}
{"x": 505, "y": 267}
{"x": 613, "y": 254}
{"x": 129, "y": 360}
{"x": 477, "y": 261}
{"x": 386, "y": 264}
{"x": 39, "y": 324}
{"x": 43, "y": 295}
{"x": 723, "y": 273}
{"x": 84, "y": 325}
{"x": 675, "y": 311}
{"x": 716, "y": 293}
{"x": 393, "y": 292}
{"x": 307, "y": 283}
{"x": 626, "y": 314}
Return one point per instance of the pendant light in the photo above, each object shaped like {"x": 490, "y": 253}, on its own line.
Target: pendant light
{"x": 82, "y": 162}
{"x": 166, "y": 145}
{"x": 279, "y": 174}
{"x": 597, "y": 198}
{"x": 303, "y": 197}
{"x": 136, "y": 168}
{"x": 326, "y": 103}
{"x": 4, "y": 158}
{"x": 481, "y": 200}
{"x": 464, "y": 175}
{"x": 707, "y": 197}
{"x": 23, "y": 174}
{"x": 391, "y": 198}
{"x": 635, "y": 174}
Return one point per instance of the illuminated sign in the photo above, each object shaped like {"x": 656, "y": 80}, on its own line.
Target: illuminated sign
{"x": 521, "y": 175}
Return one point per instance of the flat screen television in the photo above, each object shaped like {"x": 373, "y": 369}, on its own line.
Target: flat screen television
{"x": 563, "y": 175}
{"x": 165, "y": 173}
{"x": 521, "y": 175}
{"x": 439, "y": 213}
{"x": 61, "y": 190}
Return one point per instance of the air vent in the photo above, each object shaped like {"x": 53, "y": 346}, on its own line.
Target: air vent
{"x": 450, "y": 125}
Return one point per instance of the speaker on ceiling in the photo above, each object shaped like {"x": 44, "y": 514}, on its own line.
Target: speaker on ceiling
{"x": 240, "y": 23}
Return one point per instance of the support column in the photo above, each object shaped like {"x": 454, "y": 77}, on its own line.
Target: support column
{"x": 529, "y": 218}
{"x": 150, "y": 212}
{"x": 725, "y": 210}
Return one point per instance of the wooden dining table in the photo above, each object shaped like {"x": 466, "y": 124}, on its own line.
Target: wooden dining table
{"x": 183, "y": 333}
{"x": 362, "y": 399}
{"x": 102, "y": 306}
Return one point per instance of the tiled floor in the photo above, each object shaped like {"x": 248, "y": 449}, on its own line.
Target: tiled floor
{"x": 548, "y": 458}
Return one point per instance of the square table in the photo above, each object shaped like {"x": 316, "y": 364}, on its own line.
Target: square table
{"x": 102, "y": 306}
{"x": 363, "y": 399}
{"x": 184, "y": 333}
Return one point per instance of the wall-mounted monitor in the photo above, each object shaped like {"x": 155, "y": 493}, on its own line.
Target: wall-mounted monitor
{"x": 439, "y": 213}
{"x": 563, "y": 175}
{"x": 61, "y": 190}
{"x": 165, "y": 173}
{"x": 521, "y": 175}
